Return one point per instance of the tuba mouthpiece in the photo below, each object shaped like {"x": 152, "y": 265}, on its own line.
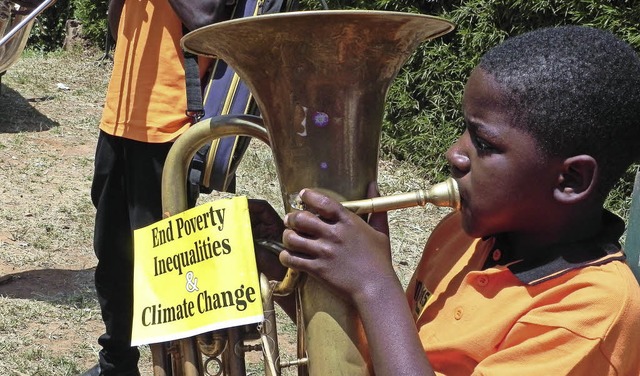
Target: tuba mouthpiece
{"x": 443, "y": 194}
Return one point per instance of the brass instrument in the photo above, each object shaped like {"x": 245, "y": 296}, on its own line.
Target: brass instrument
{"x": 14, "y": 29}
{"x": 320, "y": 79}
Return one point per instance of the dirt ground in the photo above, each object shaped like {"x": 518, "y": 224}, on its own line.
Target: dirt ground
{"x": 50, "y": 105}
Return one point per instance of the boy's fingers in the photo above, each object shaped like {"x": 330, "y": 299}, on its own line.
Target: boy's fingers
{"x": 303, "y": 254}
{"x": 304, "y": 222}
{"x": 372, "y": 190}
{"x": 323, "y": 206}
{"x": 380, "y": 222}
{"x": 329, "y": 211}
{"x": 293, "y": 260}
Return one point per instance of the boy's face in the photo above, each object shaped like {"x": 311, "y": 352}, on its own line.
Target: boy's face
{"x": 506, "y": 184}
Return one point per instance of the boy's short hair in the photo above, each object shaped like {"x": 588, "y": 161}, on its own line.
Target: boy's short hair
{"x": 576, "y": 90}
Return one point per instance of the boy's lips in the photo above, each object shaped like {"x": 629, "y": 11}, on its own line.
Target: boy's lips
{"x": 463, "y": 199}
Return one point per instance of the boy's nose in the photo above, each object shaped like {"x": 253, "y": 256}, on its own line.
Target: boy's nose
{"x": 458, "y": 159}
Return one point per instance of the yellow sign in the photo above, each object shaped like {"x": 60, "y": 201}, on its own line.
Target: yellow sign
{"x": 195, "y": 272}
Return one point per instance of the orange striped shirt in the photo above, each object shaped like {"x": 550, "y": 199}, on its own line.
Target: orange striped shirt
{"x": 146, "y": 97}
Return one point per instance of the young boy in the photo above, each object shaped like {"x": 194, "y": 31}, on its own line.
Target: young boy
{"x": 528, "y": 277}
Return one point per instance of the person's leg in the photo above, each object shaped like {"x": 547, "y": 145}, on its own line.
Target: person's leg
{"x": 127, "y": 194}
{"x": 113, "y": 245}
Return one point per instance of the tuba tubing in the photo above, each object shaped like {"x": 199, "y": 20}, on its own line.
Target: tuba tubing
{"x": 14, "y": 31}
{"x": 174, "y": 196}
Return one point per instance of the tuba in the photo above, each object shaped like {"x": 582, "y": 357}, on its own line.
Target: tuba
{"x": 320, "y": 79}
{"x": 14, "y": 30}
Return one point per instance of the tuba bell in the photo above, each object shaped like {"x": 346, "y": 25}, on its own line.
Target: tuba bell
{"x": 15, "y": 27}
{"x": 320, "y": 79}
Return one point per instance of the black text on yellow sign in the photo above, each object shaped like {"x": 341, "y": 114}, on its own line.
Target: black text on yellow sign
{"x": 195, "y": 272}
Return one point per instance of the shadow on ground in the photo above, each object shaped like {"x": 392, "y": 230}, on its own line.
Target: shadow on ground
{"x": 49, "y": 285}
{"x": 18, "y": 115}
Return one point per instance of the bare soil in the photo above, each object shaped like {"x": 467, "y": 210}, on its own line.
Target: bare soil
{"x": 50, "y": 106}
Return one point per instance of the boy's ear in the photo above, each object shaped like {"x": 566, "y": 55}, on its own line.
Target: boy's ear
{"x": 577, "y": 180}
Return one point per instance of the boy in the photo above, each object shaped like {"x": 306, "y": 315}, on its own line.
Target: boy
{"x": 528, "y": 277}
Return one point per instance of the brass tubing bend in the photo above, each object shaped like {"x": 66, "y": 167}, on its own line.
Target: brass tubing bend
{"x": 176, "y": 167}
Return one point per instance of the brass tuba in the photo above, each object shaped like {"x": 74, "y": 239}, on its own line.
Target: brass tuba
{"x": 320, "y": 79}
{"x": 14, "y": 30}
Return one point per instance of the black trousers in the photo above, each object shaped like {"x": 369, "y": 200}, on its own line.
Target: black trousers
{"x": 126, "y": 192}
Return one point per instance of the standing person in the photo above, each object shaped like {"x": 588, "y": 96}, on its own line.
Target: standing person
{"x": 143, "y": 115}
{"x": 528, "y": 278}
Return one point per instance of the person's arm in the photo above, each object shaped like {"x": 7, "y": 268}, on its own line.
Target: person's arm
{"x": 197, "y": 13}
{"x": 113, "y": 16}
{"x": 353, "y": 257}
{"x": 392, "y": 336}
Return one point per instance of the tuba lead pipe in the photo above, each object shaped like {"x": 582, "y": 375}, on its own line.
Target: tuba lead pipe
{"x": 442, "y": 194}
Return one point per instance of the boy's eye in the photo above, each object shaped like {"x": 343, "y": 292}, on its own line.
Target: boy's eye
{"x": 482, "y": 145}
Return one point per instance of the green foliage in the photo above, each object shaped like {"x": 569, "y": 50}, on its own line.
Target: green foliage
{"x": 619, "y": 200}
{"x": 423, "y": 106}
{"x": 423, "y": 113}
{"x": 49, "y": 30}
{"x": 93, "y": 16}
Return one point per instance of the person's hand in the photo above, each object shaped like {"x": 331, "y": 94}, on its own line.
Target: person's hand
{"x": 337, "y": 246}
{"x": 266, "y": 225}
{"x": 265, "y": 221}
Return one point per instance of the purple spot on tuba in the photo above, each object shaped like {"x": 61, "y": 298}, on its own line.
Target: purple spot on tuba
{"x": 320, "y": 119}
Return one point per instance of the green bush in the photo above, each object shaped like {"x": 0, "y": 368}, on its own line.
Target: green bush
{"x": 49, "y": 31}
{"x": 423, "y": 113}
{"x": 93, "y": 16}
{"x": 49, "y": 28}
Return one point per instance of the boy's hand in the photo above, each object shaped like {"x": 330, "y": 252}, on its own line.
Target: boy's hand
{"x": 266, "y": 224}
{"x": 337, "y": 246}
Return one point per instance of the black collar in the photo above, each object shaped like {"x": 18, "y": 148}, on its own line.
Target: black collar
{"x": 556, "y": 261}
